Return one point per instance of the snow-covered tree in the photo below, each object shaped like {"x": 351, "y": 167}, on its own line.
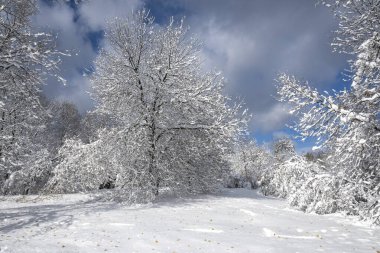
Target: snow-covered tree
{"x": 173, "y": 126}
{"x": 249, "y": 164}
{"x": 63, "y": 122}
{"x": 92, "y": 123}
{"x": 283, "y": 149}
{"x": 348, "y": 121}
{"x": 282, "y": 167}
{"x": 26, "y": 57}
{"x": 81, "y": 168}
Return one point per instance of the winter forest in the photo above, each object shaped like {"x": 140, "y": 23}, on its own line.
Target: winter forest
{"x": 165, "y": 142}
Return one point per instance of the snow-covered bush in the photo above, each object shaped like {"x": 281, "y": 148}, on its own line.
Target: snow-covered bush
{"x": 317, "y": 193}
{"x": 313, "y": 186}
{"x": 31, "y": 179}
{"x": 286, "y": 177}
{"x": 325, "y": 193}
{"x": 79, "y": 168}
{"x": 249, "y": 164}
{"x": 283, "y": 149}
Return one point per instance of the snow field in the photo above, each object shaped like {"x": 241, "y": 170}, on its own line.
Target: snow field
{"x": 236, "y": 220}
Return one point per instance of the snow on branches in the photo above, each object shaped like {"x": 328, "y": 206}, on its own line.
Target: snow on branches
{"x": 249, "y": 164}
{"x": 173, "y": 126}
{"x": 26, "y": 59}
{"x": 347, "y": 122}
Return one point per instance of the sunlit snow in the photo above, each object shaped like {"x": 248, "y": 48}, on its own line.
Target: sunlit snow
{"x": 236, "y": 220}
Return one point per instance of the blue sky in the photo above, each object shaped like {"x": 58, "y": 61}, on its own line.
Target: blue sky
{"x": 250, "y": 41}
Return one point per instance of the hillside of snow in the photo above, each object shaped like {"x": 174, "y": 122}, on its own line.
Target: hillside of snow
{"x": 236, "y": 220}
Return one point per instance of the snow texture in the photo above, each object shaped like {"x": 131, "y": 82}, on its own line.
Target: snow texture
{"x": 236, "y": 220}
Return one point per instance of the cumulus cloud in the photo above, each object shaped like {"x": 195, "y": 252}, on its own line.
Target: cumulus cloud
{"x": 96, "y": 13}
{"x": 280, "y": 134}
{"x": 73, "y": 27}
{"x": 251, "y": 41}
{"x": 271, "y": 119}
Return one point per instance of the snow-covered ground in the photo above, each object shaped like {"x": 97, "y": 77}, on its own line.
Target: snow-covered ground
{"x": 236, "y": 220}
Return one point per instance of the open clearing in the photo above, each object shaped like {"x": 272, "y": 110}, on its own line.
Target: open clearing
{"x": 236, "y": 220}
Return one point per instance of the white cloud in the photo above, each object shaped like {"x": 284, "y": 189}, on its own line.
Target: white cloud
{"x": 279, "y": 134}
{"x": 72, "y": 35}
{"x": 96, "y": 13}
{"x": 272, "y": 119}
{"x": 251, "y": 41}
{"x": 78, "y": 93}
{"x": 226, "y": 49}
